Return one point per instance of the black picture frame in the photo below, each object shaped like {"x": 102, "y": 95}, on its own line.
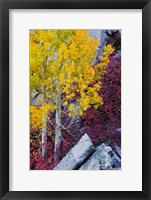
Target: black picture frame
{"x": 5, "y": 5}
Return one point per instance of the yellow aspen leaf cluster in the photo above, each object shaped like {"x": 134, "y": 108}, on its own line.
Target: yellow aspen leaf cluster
{"x": 101, "y": 67}
{"x": 70, "y": 74}
{"x": 71, "y": 107}
{"x": 38, "y": 113}
{"x": 36, "y": 117}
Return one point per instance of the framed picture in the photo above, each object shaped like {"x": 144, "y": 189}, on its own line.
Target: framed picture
{"x": 75, "y": 99}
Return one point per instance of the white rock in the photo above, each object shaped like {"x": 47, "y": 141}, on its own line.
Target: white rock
{"x": 77, "y": 155}
{"x": 100, "y": 160}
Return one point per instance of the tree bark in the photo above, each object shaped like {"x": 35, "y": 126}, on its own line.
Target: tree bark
{"x": 44, "y": 129}
{"x": 58, "y": 134}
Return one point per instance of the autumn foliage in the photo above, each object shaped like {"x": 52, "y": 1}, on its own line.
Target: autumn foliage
{"x": 72, "y": 95}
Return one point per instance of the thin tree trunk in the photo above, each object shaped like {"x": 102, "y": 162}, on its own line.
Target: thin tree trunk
{"x": 58, "y": 135}
{"x": 44, "y": 129}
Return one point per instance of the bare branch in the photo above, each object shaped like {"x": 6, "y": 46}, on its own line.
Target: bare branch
{"x": 51, "y": 124}
{"x": 71, "y": 122}
{"x": 51, "y": 136}
{"x": 64, "y": 128}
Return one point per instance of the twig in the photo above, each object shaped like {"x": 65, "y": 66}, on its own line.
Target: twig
{"x": 51, "y": 124}
{"x": 67, "y": 131}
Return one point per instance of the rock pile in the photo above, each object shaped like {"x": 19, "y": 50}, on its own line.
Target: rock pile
{"x": 83, "y": 156}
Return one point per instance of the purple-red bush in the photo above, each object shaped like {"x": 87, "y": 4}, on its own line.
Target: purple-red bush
{"x": 107, "y": 119}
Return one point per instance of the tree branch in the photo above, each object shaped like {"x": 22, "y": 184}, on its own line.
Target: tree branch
{"x": 64, "y": 128}
{"x": 51, "y": 124}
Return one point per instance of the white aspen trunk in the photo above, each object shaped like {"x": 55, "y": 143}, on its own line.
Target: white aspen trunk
{"x": 58, "y": 135}
{"x": 44, "y": 129}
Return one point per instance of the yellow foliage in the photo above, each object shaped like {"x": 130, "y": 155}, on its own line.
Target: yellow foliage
{"x": 36, "y": 117}
{"x": 68, "y": 56}
{"x": 38, "y": 114}
{"x": 71, "y": 107}
{"x": 65, "y": 103}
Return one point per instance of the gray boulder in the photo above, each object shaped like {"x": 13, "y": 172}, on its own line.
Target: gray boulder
{"x": 100, "y": 160}
{"x": 119, "y": 168}
{"x": 118, "y": 130}
{"x": 77, "y": 155}
{"x": 115, "y": 160}
{"x": 117, "y": 150}
{"x": 36, "y": 99}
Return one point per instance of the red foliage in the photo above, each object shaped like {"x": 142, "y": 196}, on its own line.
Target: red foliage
{"x": 111, "y": 91}
{"x": 107, "y": 119}
{"x": 37, "y": 162}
